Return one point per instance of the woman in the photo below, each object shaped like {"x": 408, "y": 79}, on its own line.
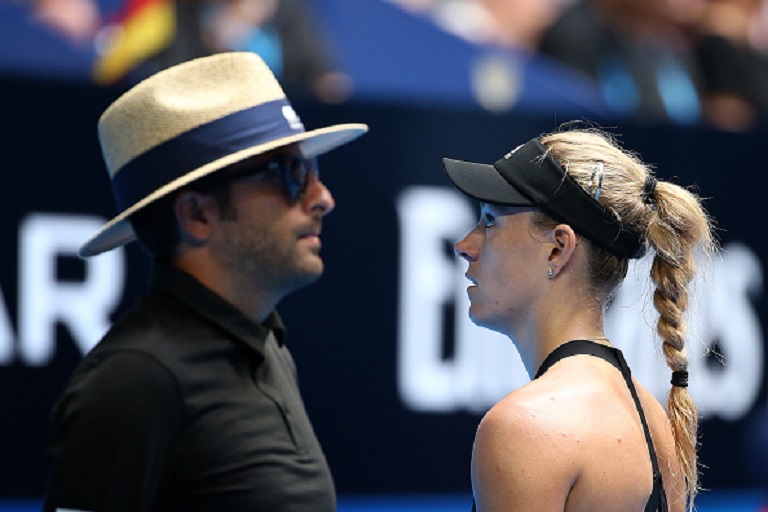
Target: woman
{"x": 561, "y": 216}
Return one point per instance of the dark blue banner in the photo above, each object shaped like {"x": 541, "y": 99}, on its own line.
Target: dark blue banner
{"x": 394, "y": 375}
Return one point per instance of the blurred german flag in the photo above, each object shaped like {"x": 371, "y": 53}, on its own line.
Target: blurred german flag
{"x": 141, "y": 29}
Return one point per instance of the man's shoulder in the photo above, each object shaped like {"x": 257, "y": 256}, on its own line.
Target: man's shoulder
{"x": 151, "y": 331}
{"x": 150, "y": 324}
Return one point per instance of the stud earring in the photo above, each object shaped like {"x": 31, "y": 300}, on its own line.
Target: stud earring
{"x": 550, "y": 273}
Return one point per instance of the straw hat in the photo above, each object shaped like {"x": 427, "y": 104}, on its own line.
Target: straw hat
{"x": 193, "y": 119}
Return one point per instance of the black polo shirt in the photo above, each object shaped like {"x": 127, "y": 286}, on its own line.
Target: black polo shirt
{"x": 186, "y": 404}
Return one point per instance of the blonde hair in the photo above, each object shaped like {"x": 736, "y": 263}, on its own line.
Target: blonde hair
{"x": 674, "y": 224}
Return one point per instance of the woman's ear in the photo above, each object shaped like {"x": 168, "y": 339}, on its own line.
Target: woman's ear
{"x": 194, "y": 212}
{"x": 564, "y": 241}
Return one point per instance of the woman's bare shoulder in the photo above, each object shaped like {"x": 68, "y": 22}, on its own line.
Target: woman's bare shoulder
{"x": 548, "y": 402}
{"x": 525, "y": 452}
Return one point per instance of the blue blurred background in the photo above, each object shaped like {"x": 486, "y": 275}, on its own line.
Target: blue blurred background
{"x": 395, "y": 378}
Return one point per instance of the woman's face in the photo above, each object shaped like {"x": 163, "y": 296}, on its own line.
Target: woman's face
{"x": 507, "y": 259}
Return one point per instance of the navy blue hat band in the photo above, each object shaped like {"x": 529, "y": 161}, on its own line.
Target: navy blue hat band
{"x": 202, "y": 145}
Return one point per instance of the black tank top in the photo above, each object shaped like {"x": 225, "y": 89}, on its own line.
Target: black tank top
{"x": 657, "y": 502}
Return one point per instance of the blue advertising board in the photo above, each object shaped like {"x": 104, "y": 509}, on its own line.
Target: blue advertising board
{"x": 394, "y": 376}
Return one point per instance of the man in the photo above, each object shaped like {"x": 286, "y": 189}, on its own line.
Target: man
{"x": 190, "y": 402}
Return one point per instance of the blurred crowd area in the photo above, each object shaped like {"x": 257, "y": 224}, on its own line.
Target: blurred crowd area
{"x": 682, "y": 61}
{"x": 133, "y": 39}
{"x": 686, "y": 61}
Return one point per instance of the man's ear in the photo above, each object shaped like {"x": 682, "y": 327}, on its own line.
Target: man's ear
{"x": 564, "y": 241}
{"x": 195, "y": 212}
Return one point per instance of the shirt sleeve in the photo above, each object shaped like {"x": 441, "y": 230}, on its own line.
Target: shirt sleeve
{"x": 114, "y": 436}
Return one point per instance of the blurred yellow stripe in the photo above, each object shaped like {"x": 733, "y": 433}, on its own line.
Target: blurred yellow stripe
{"x": 148, "y": 31}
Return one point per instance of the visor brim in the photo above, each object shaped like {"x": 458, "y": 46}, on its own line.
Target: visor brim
{"x": 483, "y": 183}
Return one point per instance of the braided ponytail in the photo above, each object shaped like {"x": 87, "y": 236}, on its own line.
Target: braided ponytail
{"x": 677, "y": 225}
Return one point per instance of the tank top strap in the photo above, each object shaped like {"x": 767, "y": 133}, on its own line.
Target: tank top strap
{"x": 576, "y": 348}
{"x": 658, "y": 500}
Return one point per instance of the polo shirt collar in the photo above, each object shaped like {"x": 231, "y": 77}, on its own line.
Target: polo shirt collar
{"x": 204, "y": 301}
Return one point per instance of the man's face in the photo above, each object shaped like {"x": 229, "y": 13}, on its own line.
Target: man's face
{"x": 269, "y": 241}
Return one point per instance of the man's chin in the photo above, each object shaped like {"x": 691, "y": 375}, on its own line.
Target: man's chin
{"x": 310, "y": 272}
{"x": 314, "y": 266}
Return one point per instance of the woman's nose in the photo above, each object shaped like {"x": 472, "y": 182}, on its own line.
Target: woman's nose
{"x": 464, "y": 248}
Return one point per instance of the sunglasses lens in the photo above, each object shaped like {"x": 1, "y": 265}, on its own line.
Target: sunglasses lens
{"x": 292, "y": 173}
{"x": 297, "y": 171}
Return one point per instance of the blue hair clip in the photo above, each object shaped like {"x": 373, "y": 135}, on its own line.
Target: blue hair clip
{"x": 597, "y": 173}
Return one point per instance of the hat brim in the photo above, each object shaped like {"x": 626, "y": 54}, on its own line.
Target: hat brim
{"x": 119, "y": 231}
{"x": 483, "y": 183}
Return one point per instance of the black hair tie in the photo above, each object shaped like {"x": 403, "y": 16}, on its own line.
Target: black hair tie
{"x": 680, "y": 378}
{"x": 649, "y": 190}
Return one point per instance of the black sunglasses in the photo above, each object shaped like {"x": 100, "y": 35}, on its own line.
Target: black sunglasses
{"x": 290, "y": 171}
